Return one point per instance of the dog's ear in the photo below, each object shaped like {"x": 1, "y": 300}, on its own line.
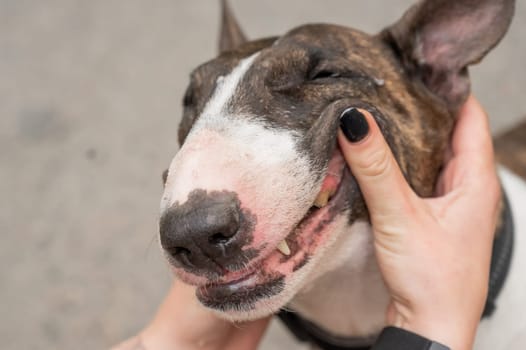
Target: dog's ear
{"x": 165, "y": 177}
{"x": 438, "y": 39}
{"x": 231, "y": 35}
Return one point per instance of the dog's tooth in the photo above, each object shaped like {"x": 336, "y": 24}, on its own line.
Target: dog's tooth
{"x": 283, "y": 247}
{"x": 379, "y": 82}
{"x": 322, "y": 199}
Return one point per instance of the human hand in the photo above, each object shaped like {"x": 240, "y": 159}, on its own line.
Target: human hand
{"x": 434, "y": 253}
{"x": 182, "y": 323}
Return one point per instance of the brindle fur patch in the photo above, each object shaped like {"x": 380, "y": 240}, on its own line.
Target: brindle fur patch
{"x": 510, "y": 149}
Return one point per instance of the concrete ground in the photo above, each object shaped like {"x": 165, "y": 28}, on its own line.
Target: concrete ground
{"x": 90, "y": 97}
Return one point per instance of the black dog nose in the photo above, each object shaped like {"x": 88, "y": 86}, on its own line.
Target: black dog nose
{"x": 203, "y": 233}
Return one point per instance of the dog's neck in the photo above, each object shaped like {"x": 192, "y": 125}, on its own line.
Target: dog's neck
{"x": 349, "y": 299}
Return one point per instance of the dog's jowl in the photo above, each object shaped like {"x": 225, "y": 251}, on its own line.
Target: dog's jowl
{"x": 260, "y": 211}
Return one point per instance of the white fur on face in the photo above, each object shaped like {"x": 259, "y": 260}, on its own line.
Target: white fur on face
{"x": 236, "y": 153}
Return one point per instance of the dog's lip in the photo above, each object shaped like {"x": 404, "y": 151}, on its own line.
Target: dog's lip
{"x": 315, "y": 214}
{"x": 233, "y": 277}
{"x": 301, "y": 247}
{"x": 243, "y": 294}
{"x": 232, "y": 285}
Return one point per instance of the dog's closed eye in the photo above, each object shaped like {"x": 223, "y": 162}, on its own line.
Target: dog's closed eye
{"x": 323, "y": 74}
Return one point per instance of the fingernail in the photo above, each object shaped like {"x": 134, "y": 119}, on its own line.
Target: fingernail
{"x": 354, "y": 125}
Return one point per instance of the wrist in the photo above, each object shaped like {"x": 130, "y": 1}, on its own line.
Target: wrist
{"x": 156, "y": 340}
{"x": 394, "y": 338}
{"x": 447, "y": 331}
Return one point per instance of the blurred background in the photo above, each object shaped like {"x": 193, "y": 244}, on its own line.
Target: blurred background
{"x": 90, "y": 96}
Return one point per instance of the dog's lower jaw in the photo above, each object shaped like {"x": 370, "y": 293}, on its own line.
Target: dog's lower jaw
{"x": 326, "y": 260}
{"x": 350, "y": 298}
{"x": 340, "y": 290}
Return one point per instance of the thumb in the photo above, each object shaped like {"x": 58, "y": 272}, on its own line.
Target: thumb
{"x": 384, "y": 188}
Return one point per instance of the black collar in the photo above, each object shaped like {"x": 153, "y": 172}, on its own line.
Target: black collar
{"x": 500, "y": 257}
{"x": 307, "y": 331}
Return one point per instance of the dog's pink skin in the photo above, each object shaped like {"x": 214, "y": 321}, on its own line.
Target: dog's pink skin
{"x": 214, "y": 162}
{"x": 189, "y": 278}
{"x": 201, "y": 170}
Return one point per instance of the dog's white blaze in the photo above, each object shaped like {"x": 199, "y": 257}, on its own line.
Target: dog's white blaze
{"x": 226, "y": 87}
{"x": 213, "y": 114}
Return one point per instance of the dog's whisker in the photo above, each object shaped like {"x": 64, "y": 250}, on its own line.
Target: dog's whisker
{"x": 155, "y": 237}
{"x": 288, "y": 309}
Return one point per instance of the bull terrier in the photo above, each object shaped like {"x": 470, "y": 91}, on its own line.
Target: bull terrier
{"x": 260, "y": 211}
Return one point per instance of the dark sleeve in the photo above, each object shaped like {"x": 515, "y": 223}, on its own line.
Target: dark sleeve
{"x": 393, "y": 338}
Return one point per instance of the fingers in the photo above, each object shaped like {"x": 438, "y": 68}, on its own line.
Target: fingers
{"x": 472, "y": 146}
{"x": 472, "y": 136}
{"x": 372, "y": 164}
{"x": 247, "y": 335}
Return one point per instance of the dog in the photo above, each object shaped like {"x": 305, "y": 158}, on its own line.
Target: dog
{"x": 260, "y": 211}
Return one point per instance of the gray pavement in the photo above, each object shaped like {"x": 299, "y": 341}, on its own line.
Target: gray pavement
{"x": 90, "y": 97}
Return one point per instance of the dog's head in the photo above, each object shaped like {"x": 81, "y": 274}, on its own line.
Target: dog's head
{"x": 259, "y": 192}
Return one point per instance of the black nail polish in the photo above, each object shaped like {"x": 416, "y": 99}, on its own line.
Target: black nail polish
{"x": 354, "y": 125}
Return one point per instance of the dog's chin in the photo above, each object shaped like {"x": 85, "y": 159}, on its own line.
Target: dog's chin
{"x": 245, "y": 300}
{"x": 254, "y": 296}
{"x": 270, "y": 282}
